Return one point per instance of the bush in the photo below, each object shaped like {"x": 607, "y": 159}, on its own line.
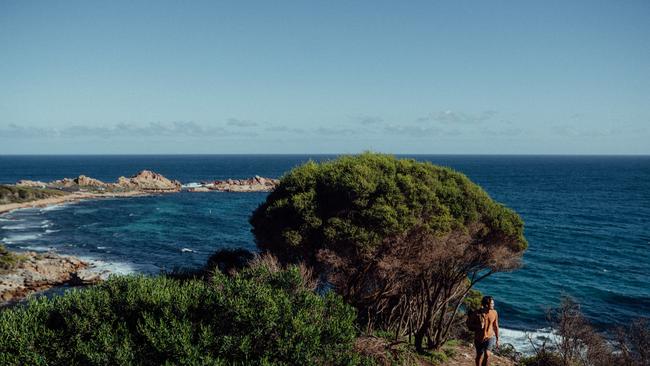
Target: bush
{"x": 577, "y": 343}
{"x": 257, "y": 316}
{"x": 8, "y": 260}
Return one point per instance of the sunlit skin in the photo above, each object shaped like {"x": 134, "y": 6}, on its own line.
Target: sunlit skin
{"x": 482, "y": 359}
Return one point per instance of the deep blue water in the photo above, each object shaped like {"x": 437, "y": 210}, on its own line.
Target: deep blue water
{"x": 587, "y": 221}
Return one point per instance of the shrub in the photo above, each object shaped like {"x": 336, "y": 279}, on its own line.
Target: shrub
{"x": 16, "y": 194}
{"x": 576, "y": 342}
{"x": 257, "y": 316}
{"x": 633, "y": 342}
{"x": 8, "y": 260}
{"x": 397, "y": 238}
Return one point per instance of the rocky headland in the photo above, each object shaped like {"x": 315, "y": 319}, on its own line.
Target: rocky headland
{"x": 254, "y": 184}
{"x": 34, "y": 272}
{"x": 144, "y": 181}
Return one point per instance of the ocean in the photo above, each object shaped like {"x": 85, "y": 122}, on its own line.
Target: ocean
{"x": 587, "y": 220}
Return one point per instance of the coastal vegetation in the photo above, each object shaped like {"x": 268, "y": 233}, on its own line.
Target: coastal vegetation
{"x": 403, "y": 241}
{"x": 262, "y": 315}
{"x": 18, "y": 194}
{"x": 8, "y": 260}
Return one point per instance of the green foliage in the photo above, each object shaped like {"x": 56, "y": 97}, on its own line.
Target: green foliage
{"x": 15, "y": 194}
{"x": 8, "y": 260}
{"x": 357, "y": 201}
{"x": 472, "y": 301}
{"x": 438, "y": 357}
{"x": 543, "y": 358}
{"x": 257, "y": 316}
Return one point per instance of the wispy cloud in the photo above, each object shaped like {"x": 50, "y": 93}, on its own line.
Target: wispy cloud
{"x": 413, "y": 130}
{"x": 285, "y": 129}
{"x": 368, "y": 120}
{"x": 457, "y": 118}
{"x": 154, "y": 129}
{"x": 236, "y": 122}
{"x": 614, "y": 129}
{"x": 12, "y": 130}
{"x": 336, "y": 131}
{"x": 513, "y": 131}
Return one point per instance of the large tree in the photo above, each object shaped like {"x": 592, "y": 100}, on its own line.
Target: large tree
{"x": 402, "y": 240}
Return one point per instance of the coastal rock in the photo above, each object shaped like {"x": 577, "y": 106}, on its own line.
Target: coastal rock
{"x": 199, "y": 189}
{"x": 31, "y": 183}
{"x": 65, "y": 182}
{"x": 145, "y": 181}
{"x": 37, "y": 272}
{"x": 82, "y": 180}
{"x": 87, "y": 277}
{"x": 255, "y": 184}
{"x": 149, "y": 181}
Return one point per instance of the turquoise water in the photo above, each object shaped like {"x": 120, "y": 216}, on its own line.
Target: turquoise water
{"x": 586, "y": 220}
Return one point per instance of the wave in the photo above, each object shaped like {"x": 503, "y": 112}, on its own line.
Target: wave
{"x": 118, "y": 268}
{"x": 56, "y": 207}
{"x": 48, "y": 231}
{"x": 38, "y": 248}
{"x": 191, "y": 185}
{"x": 18, "y": 238}
{"x": 16, "y": 227}
{"x": 27, "y": 225}
{"x": 522, "y": 339}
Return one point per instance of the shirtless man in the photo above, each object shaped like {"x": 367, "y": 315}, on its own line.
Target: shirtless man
{"x": 487, "y": 337}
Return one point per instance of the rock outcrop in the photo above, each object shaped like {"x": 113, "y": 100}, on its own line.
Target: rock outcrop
{"x": 31, "y": 183}
{"x": 37, "y": 272}
{"x": 84, "y": 181}
{"x": 255, "y": 184}
{"x": 145, "y": 181}
{"x": 149, "y": 181}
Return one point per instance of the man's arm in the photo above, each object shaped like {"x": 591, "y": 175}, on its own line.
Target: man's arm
{"x": 496, "y": 328}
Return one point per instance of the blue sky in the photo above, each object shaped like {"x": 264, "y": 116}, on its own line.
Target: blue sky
{"x": 483, "y": 77}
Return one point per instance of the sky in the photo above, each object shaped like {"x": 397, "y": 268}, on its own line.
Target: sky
{"x": 403, "y": 77}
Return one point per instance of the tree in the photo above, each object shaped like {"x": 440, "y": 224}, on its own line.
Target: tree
{"x": 403, "y": 241}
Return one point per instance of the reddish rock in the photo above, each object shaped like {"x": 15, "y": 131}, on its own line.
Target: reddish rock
{"x": 37, "y": 272}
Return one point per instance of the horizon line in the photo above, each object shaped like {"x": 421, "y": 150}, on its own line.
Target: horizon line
{"x": 338, "y": 154}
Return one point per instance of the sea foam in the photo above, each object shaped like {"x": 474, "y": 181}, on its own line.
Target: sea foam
{"x": 18, "y": 238}
{"x": 521, "y": 339}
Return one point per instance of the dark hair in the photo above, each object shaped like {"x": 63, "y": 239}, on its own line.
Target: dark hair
{"x": 486, "y": 300}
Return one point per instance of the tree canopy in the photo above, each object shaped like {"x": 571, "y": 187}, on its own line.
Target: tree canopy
{"x": 358, "y": 201}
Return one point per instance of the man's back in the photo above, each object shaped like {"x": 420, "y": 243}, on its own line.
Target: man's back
{"x": 487, "y": 328}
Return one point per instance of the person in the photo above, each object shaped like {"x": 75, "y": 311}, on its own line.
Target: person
{"x": 487, "y": 336}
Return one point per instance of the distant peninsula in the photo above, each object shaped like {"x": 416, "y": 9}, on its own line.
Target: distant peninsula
{"x": 30, "y": 193}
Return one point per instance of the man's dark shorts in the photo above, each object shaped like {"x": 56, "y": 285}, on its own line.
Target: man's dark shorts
{"x": 486, "y": 345}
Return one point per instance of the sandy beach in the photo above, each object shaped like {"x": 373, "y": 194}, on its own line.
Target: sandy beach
{"x": 72, "y": 197}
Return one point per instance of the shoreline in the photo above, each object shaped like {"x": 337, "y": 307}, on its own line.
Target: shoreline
{"x": 68, "y": 198}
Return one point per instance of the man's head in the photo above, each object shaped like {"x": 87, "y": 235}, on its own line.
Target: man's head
{"x": 487, "y": 302}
